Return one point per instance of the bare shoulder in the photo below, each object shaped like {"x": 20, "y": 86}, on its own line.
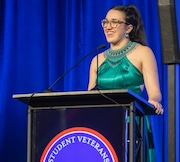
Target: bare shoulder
{"x": 144, "y": 51}
{"x": 100, "y": 57}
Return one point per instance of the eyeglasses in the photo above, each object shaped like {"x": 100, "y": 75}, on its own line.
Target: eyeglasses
{"x": 114, "y": 23}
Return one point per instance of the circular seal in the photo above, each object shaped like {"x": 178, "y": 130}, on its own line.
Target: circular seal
{"x": 79, "y": 144}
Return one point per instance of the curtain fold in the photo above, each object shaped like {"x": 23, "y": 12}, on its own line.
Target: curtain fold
{"x": 42, "y": 40}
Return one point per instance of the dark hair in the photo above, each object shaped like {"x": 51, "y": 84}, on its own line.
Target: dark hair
{"x": 133, "y": 17}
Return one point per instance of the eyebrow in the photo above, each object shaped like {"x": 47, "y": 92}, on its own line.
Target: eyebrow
{"x": 114, "y": 19}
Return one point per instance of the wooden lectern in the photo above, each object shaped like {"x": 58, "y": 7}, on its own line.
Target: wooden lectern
{"x": 103, "y": 110}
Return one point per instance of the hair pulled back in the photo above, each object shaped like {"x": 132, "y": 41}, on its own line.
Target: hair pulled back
{"x": 133, "y": 17}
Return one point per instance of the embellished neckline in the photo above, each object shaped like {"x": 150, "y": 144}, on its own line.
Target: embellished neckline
{"x": 114, "y": 57}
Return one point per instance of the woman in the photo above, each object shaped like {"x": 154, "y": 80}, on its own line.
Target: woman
{"x": 129, "y": 63}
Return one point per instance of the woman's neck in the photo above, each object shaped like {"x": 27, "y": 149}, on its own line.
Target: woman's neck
{"x": 119, "y": 45}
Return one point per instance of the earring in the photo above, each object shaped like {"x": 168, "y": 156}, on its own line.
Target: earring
{"x": 127, "y": 35}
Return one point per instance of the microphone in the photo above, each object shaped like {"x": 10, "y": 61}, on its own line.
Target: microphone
{"x": 66, "y": 72}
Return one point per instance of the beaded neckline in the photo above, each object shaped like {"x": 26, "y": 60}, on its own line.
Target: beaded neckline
{"x": 114, "y": 57}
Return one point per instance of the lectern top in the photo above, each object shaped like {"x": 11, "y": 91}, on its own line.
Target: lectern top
{"x": 86, "y": 99}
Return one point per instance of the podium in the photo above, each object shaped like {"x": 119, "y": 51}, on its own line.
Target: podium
{"x": 46, "y": 109}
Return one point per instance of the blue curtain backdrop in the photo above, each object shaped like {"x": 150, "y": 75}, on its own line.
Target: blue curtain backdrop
{"x": 40, "y": 40}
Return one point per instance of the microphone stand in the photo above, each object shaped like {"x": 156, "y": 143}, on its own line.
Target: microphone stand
{"x": 60, "y": 77}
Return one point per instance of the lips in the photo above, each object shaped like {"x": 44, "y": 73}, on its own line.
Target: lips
{"x": 110, "y": 33}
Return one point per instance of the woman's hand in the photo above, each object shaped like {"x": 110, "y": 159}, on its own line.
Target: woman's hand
{"x": 159, "y": 108}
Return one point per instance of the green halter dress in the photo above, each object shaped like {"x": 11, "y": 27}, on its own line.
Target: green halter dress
{"x": 117, "y": 72}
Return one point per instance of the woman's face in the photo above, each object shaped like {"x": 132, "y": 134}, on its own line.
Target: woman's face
{"x": 115, "y": 26}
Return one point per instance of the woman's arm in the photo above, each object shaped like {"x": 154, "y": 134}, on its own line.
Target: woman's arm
{"x": 92, "y": 73}
{"x": 151, "y": 78}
